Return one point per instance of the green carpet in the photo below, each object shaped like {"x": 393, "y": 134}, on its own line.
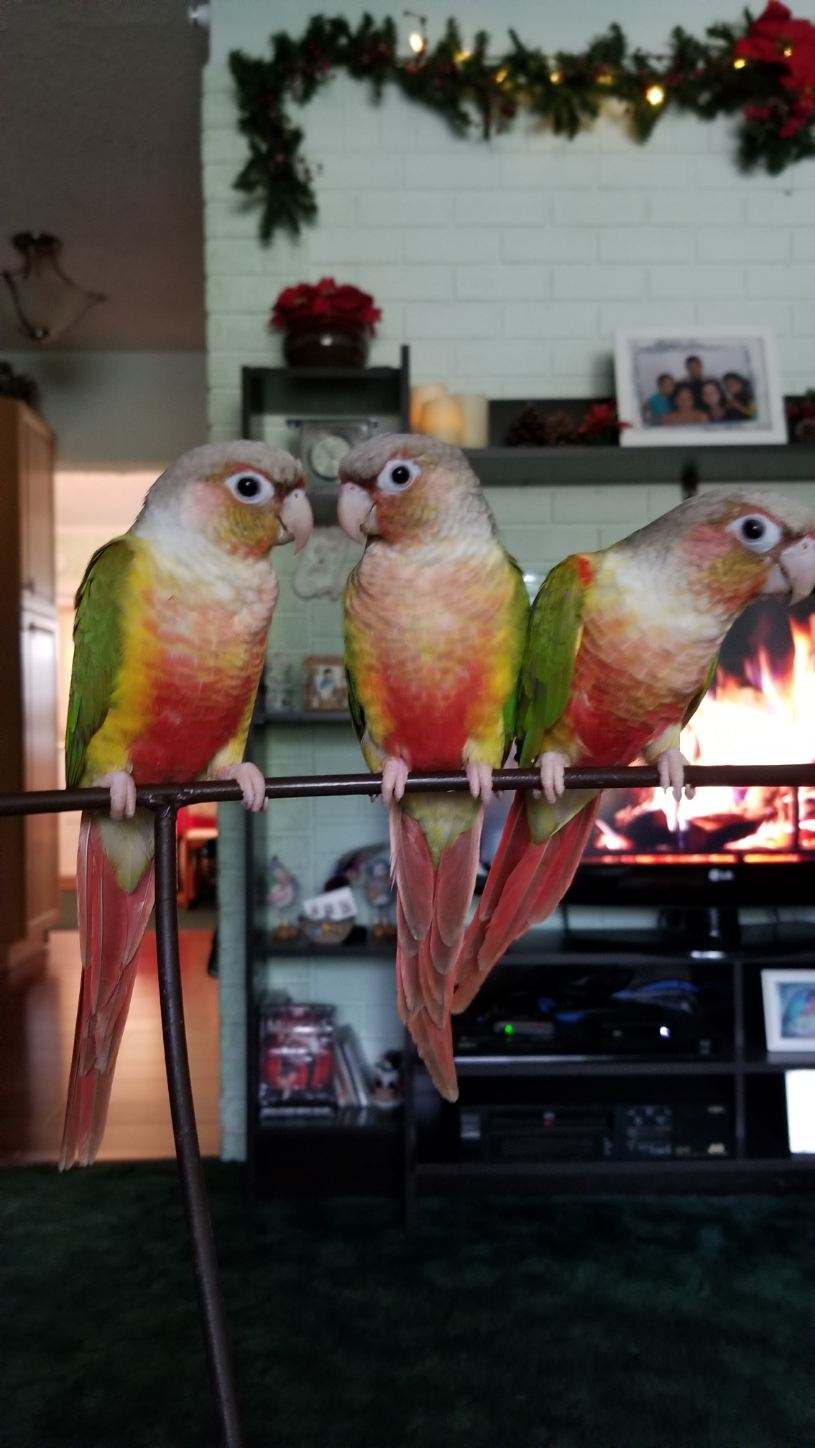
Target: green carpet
{"x": 611, "y": 1323}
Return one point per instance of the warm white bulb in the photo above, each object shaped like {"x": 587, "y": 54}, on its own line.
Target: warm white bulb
{"x": 655, "y": 95}
{"x": 416, "y": 41}
{"x": 555, "y": 77}
{"x": 739, "y": 63}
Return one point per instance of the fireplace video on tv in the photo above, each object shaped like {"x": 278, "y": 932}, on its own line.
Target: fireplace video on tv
{"x": 759, "y": 710}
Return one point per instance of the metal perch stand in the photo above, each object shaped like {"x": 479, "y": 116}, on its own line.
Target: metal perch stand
{"x": 164, "y": 801}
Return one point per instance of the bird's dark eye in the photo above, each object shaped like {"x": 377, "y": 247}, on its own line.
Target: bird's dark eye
{"x": 756, "y": 532}
{"x": 397, "y": 475}
{"x": 249, "y": 487}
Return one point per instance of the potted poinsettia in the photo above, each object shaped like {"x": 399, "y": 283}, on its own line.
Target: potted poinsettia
{"x": 326, "y": 323}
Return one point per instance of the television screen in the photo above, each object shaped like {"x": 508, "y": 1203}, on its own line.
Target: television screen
{"x": 760, "y": 709}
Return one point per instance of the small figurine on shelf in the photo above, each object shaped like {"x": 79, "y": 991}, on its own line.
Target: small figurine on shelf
{"x": 324, "y": 682}
{"x": 279, "y": 684}
{"x": 283, "y": 895}
{"x": 387, "y": 1082}
{"x": 377, "y": 887}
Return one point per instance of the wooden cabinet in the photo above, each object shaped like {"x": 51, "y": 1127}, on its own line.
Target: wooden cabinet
{"x": 28, "y": 670}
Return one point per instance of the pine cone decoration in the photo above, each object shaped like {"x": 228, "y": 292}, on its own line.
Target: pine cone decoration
{"x": 560, "y": 429}
{"x": 528, "y": 429}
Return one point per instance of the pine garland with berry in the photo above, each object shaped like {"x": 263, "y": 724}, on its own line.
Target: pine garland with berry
{"x": 763, "y": 68}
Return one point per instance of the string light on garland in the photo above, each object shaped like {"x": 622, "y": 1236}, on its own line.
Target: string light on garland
{"x": 761, "y": 70}
{"x": 417, "y": 40}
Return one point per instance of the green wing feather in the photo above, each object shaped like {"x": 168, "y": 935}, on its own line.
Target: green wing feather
{"x": 520, "y": 609}
{"x": 355, "y": 707}
{"x": 552, "y": 643}
{"x": 98, "y": 650}
{"x": 697, "y": 698}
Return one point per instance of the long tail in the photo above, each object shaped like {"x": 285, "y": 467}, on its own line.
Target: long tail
{"x": 526, "y": 883}
{"x": 431, "y": 912}
{"x": 112, "y": 922}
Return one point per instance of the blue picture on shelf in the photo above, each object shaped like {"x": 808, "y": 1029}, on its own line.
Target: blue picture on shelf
{"x": 789, "y": 1009}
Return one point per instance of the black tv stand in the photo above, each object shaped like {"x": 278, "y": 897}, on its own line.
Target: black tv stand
{"x": 709, "y": 932}
{"x": 735, "y": 1074}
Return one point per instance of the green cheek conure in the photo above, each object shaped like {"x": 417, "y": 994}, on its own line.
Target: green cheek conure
{"x": 435, "y": 623}
{"x": 169, "y": 643}
{"x": 622, "y": 646}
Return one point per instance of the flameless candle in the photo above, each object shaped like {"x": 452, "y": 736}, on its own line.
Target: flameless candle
{"x": 475, "y": 416}
{"x": 426, "y": 392}
{"x": 442, "y": 418}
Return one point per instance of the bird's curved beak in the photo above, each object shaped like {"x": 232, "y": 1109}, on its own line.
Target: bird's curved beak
{"x": 794, "y": 573}
{"x": 297, "y": 518}
{"x": 356, "y": 512}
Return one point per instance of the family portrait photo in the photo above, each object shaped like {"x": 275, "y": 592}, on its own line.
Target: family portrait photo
{"x": 702, "y": 386}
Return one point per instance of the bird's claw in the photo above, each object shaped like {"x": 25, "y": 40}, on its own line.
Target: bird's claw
{"x": 251, "y": 782}
{"x": 394, "y": 778}
{"x": 671, "y": 770}
{"x": 552, "y": 772}
{"x": 479, "y": 778}
{"x": 122, "y": 787}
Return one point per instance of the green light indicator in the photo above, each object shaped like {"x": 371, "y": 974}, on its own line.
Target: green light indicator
{"x": 509, "y": 1029}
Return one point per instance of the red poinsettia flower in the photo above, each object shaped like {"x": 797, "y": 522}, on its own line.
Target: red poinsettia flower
{"x": 778, "y": 38}
{"x": 325, "y": 301}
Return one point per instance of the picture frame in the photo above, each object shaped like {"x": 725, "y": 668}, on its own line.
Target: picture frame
{"x": 708, "y": 386}
{"x": 324, "y": 683}
{"x": 789, "y": 1010}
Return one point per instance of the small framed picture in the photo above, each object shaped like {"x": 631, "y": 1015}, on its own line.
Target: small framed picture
{"x": 709, "y": 386}
{"x": 324, "y": 682}
{"x": 789, "y": 1009}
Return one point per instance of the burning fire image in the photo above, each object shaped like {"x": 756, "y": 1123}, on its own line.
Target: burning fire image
{"x": 760, "y": 709}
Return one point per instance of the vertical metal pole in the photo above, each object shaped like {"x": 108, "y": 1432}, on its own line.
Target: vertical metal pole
{"x": 186, "y": 1133}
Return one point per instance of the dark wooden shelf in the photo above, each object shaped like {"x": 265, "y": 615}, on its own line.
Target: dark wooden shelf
{"x": 365, "y": 1119}
{"x": 600, "y": 466}
{"x": 780, "y": 1061}
{"x": 515, "y": 1066}
{"x": 356, "y": 944}
{"x": 302, "y": 716}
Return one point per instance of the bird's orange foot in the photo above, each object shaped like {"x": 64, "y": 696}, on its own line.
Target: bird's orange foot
{"x": 671, "y": 770}
{"x": 394, "y": 778}
{"x": 251, "y": 781}
{"x": 479, "y": 778}
{"x": 122, "y": 788}
{"x": 552, "y": 766}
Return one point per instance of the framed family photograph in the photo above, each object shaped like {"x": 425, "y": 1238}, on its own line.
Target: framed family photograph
{"x": 698, "y": 385}
{"x": 789, "y": 1009}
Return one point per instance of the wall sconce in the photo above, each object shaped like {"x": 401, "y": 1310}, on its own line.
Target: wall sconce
{"x": 45, "y": 301}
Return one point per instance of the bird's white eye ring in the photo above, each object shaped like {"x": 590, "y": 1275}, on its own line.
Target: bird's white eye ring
{"x": 249, "y": 487}
{"x": 397, "y": 475}
{"x": 756, "y": 532}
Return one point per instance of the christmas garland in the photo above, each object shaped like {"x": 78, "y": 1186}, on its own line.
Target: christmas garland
{"x": 764, "y": 68}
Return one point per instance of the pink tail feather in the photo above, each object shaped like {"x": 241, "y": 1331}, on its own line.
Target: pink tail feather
{"x": 431, "y": 912}
{"x": 112, "y": 923}
{"x": 530, "y": 881}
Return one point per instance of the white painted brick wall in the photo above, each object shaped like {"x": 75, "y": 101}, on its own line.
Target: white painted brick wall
{"x": 507, "y": 267}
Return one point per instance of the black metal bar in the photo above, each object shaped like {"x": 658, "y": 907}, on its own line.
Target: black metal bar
{"x": 185, "y": 1131}
{"x": 297, "y": 786}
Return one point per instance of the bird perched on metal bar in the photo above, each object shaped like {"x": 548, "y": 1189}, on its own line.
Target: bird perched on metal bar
{"x": 622, "y": 647}
{"x": 435, "y": 621}
{"x": 169, "y": 642}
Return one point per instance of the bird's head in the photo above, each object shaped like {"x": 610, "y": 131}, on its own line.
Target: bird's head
{"x": 405, "y": 486}
{"x": 243, "y": 496}
{"x": 733, "y": 546}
